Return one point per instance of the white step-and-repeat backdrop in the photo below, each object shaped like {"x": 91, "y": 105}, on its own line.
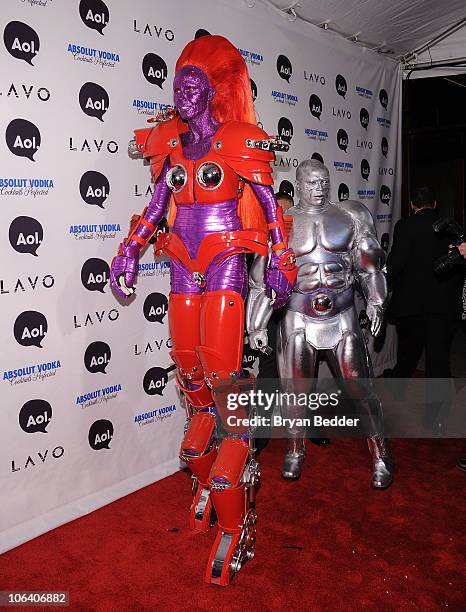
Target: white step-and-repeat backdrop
{"x": 89, "y": 409}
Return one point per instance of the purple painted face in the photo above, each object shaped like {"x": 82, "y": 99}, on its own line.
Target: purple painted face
{"x": 192, "y": 92}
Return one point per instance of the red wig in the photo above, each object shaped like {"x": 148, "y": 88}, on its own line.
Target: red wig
{"x": 227, "y": 73}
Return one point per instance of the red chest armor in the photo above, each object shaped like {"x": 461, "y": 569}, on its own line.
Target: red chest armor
{"x": 216, "y": 177}
{"x": 206, "y": 180}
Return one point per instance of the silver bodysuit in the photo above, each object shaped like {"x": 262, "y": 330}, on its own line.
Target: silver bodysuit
{"x": 336, "y": 247}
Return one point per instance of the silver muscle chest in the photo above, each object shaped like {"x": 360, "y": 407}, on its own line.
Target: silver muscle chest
{"x": 323, "y": 241}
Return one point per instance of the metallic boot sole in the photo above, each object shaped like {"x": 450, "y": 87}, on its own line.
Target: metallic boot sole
{"x": 382, "y": 464}
{"x": 291, "y": 468}
{"x": 382, "y": 474}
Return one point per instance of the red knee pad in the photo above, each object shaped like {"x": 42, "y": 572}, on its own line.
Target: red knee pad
{"x": 190, "y": 369}
{"x": 198, "y": 436}
{"x": 230, "y": 502}
{"x": 231, "y": 461}
{"x": 196, "y": 444}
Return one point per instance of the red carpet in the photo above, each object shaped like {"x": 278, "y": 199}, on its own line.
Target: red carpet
{"x": 327, "y": 542}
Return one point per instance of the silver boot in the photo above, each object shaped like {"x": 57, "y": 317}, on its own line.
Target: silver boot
{"x": 382, "y": 464}
{"x": 294, "y": 458}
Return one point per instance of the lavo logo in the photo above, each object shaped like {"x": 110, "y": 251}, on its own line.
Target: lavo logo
{"x": 155, "y": 307}
{"x": 284, "y": 68}
{"x": 93, "y": 100}
{"x": 155, "y": 345}
{"x": 158, "y": 31}
{"x": 21, "y": 41}
{"x": 314, "y": 77}
{"x": 94, "y": 188}
{"x": 341, "y": 113}
{"x": 386, "y": 171}
{"x": 42, "y": 93}
{"x": 285, "y": 129}
{"x": 94, "y": 14}
{"x": 26, "y": 235}
{"x": 22, "y": 138}
{"x": 112, "y": 315}
{"x": 154, "y": 69}
{"x": 35, "y": 416}
{"x": 100, "y": 434}
{"x": 47, "y": 282}
{"x": 156, "y": 379}
{"x": 30, "y": 328}
{"x": 97, "y": 357}
{"x": 42, "y": 457}
{"x": 110, "y": 145}
{"x": 95, "y": 274}
{"x": 363, "y": 144}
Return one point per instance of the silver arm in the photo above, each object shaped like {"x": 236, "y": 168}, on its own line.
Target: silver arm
{"x": 368, "y": 262}
{"x": 258, "y": 306}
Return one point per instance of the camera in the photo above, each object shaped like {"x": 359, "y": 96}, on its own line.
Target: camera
{"x": 454, "y": 232}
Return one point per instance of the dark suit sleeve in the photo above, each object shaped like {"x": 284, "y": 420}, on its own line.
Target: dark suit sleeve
{"x": 399, "y": 253}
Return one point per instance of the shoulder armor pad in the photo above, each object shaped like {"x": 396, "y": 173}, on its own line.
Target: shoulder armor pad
{"x": 157, "y": 142}
{"x": 250, "y": 163}
{"x": 159, "y": 139}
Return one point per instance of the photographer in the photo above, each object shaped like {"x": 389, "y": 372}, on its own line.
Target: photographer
{"x": 425, "y": 307}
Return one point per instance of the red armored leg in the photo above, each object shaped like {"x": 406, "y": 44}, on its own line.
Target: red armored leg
{"x": 234, "y": 473}
{"x": 231, "y": 478}
{"x": 198, "y": 449}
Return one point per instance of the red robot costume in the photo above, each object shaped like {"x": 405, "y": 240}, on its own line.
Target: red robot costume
{"x": 213, "y": 163}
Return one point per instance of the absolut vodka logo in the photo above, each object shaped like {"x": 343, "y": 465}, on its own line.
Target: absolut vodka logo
{"x": 22, "y": 186}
